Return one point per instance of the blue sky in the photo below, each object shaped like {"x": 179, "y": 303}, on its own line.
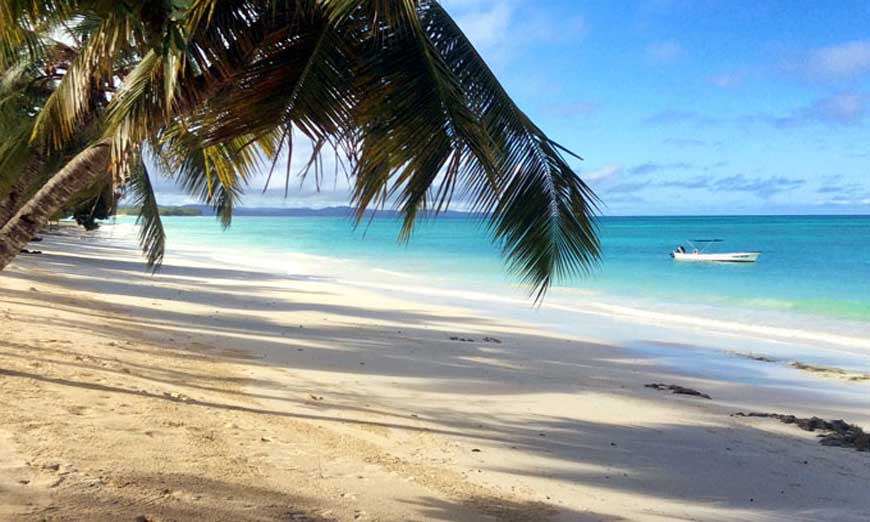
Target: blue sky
{"x": 683, "y": 107}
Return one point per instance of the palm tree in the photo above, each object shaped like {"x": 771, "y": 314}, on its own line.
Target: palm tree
{"x": 32, "y": 69}
{"x": 212, "y": 89}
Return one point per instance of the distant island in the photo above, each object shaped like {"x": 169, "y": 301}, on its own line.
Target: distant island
{"x": 187, "y": 211}
{"x": 342, "y": 211}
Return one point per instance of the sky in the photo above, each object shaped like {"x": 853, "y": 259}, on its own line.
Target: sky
{"x": 679, "y": 106}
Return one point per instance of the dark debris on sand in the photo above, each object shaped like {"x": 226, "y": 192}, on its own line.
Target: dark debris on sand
{"x": 838, "y": 433}
{"x": 680, "y": 390}
{"x": 827, "y": 370}
{"x": 755, "y": 357}
{"x": 471, "y": 340}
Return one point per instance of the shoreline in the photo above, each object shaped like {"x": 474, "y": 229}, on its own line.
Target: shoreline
{"x": 307, "y": 396}
{"x": 827, "y": 345}
{"x": 626, "y": 286}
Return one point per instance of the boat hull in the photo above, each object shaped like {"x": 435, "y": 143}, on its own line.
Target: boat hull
{"x": 724, "y": 257}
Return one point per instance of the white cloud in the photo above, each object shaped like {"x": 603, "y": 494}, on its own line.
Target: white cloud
{"x": 843, "y": 109}
{"x": 845, "y": 60}
{"x": 600, "y": 174}
{"x": 484, "y": 22}
{"x": 501, "y": 28}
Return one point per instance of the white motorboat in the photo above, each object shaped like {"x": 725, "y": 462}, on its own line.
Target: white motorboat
{"x": 699, "y": 254}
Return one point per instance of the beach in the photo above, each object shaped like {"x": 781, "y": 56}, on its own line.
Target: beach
{"x": 215, "y": 391}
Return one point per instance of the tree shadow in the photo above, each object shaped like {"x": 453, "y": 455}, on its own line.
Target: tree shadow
{"x": 177, "y": 497}
{"x": 677, "y": 462}
{"x": 505, "y": 510}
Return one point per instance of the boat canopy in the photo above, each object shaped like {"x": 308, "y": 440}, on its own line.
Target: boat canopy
{"x": 703, "y": 243}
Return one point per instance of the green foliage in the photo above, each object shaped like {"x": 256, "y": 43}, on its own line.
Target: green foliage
{"x": 215, "y": 89}
{"x": 94, "y": 204}
{"x": 151, "y": 234}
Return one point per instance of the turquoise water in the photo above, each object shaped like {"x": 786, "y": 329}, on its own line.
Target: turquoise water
{"x": 814, "y": 273}
{"x": 815, "y": 265}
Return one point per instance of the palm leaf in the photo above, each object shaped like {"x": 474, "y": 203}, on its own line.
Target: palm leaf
{"x": 152, "y": 237}
{"x": 216, "y": 88}
{"x": 543, "y": 213}
{"x": 429, "y": 129}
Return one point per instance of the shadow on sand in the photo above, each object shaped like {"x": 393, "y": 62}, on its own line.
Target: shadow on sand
{"x": 361, "y": 343}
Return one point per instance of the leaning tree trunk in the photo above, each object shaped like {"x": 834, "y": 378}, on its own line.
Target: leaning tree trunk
{"x": 12, "y": 201}
{"x": 79, "y": 173}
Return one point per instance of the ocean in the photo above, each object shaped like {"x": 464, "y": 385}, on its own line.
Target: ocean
{"x": 811, "y": 285}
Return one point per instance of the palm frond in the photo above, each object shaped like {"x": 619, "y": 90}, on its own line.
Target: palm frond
{"x": 398, "y": 86}
{"x": 216, "y": 88}
{"x": 23, "y": 28}
{"x": 542, "y": 213}
{"x": 133, "y": 111}
{"x": 152, "y": 237}
{"x": 215, "y": 174}
{"x": 83, "y": 82}
{"x": 431, "y": 128}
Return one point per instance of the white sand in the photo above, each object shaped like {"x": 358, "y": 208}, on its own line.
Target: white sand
{"x": 213, "y": 393}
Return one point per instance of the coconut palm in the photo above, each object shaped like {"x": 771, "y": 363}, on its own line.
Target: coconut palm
{"x": 26, "y": 164}
{"x": 216, "y": 88}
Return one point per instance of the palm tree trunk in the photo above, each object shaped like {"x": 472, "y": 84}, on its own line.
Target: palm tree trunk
{"x": 12, "y": 201}
{"x": 76, "y": 175}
